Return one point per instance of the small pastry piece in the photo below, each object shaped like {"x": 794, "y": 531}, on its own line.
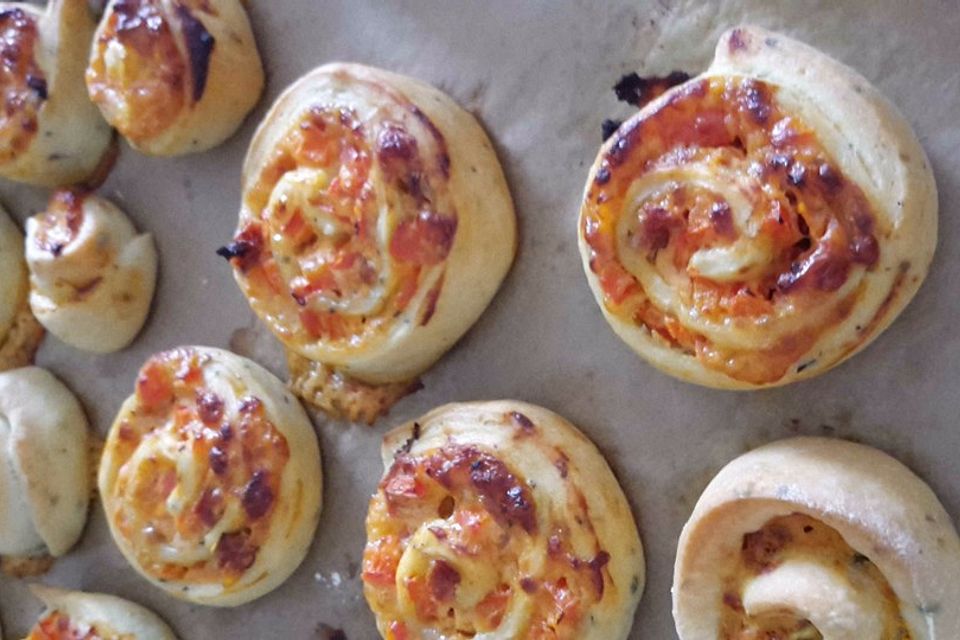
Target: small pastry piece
{"x": 91, "y": 276}
{"x": 499, "y": 520}
{"x": 376, "y": 226}
{"x": 817, "y": 538}
{"x": 20, "y": 333}
{"x": 75, "y": 615}
{"x": 50, "y": 132}
{"x": 175, "y": 77}
{"x": 761, "y": 223}
{"x": 44, "y": 467}
{"x": 210, "y": 477}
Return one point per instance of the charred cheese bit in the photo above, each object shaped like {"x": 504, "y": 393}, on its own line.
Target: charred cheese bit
{"x": 481, "y": 527}
{"x": 732, "y": 231}
{"x": 211, "y": 477}
{"x": 361, "y": 241}
{"x": 817, "y": 539}
{"x": 175, "y": 78}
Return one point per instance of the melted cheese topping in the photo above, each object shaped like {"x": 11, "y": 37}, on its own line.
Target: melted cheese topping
{"x": 798, "y": 579}
{"x": 348, "y": 226}
{"x": 138, "y": 75}
{"x": 457, "y": 549}
{"x": 22, "y": 83}
{"x": 200, "y": 472}
{"x": 719, "y": 223}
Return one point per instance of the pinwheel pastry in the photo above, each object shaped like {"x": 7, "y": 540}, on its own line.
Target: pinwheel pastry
{"x": 175, "y": 77}
{"x": 376, "y": 226}
{"x": 210, "y": 477}
{"x": 20, "y": 333}
{"x": 499, "y": 520}
{"x": 50, "y": 132}
{"x": 74, "y": 615}
{"x": 760, "y": 223}
{"x": 91, "y": 275}
{"x": 813, "y": 538}
{"x": 44, "y": 469}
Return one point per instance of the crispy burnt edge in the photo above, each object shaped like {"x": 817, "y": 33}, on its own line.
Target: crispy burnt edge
{"x": 341, "y": 396}
{"x": 200, "y": 48}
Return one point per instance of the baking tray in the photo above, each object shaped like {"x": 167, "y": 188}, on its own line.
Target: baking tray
{"x": 538, "y": 74}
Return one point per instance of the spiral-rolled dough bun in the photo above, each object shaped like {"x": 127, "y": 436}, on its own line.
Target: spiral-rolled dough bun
{"x": 760, "y": 223}
{"x": 20, "y": 333}
{"x": 499, "y": 520}
{"x": 376, "y": 227}
{"x": 50, "y": 132}
{"x": 44, "y": 465}
{"x": 175, "y": 77}
{"x": 819, "y": 539}
{"x": 92, "y": 276}
{"x": 76, "y": 615}
{"x": 211, "y": 478}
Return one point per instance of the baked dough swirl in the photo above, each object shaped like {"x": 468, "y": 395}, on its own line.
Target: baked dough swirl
{"x": 813, "y": 538}
{"x": 211, "y": 478}
{"x": 20, "y": 333}
{"x": 92, "y": 276}
{"x": 44, "y": 465}
{"x": 175, "y": 77}
{"x": 499, "y": 520}
{"x": 376, "y": 226}
{"x": 75, "y": 615}
{"x": 760, "y": 223}
{"x": 50, "y": 132}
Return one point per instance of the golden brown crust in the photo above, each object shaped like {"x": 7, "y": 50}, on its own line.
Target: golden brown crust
{"x": 343, "y": 397}
{"x": 26, "y": 566}
{"x": 22, "y": 340}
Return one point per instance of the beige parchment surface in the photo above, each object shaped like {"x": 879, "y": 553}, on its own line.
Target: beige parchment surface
{"x": 539, "y": 75}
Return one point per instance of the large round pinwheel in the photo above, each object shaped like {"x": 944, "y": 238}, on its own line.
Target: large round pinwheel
{"x": 376, "y": 227}
{"x": 760, "y": 223}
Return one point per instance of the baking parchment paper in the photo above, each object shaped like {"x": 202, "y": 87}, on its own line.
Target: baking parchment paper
{"x": 539, "y": 75}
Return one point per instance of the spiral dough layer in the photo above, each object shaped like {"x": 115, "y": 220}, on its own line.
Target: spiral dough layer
{"x": 760, "y": 223}
{"x": 211, "y": 478}
{"x": 499, "y": 520}
{"x": 820, "y": 539}
{"x": 376, "y": 226}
